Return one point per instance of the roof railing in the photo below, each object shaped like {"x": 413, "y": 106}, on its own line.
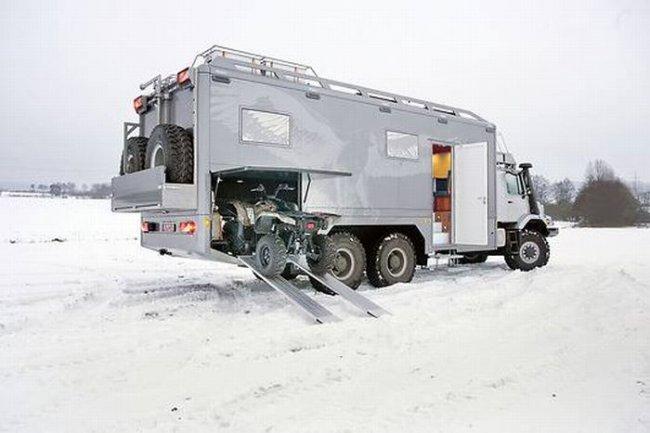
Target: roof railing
{"x": 231, "y": 53}
{"x": 272, "y": 67}
{"x": 386, "y": 98}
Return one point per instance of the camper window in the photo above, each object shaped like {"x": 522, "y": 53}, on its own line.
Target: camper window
{"x": 264, "y": 127}
{"x": 401, "y": 145}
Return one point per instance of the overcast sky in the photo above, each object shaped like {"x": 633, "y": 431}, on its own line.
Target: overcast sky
{"x": 564, "y": 81}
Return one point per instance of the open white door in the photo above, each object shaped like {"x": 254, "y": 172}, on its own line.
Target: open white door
{"x": 469, "y": 189}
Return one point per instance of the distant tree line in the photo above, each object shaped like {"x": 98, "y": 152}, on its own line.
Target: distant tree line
{"x": 603, "y": 199}
{"x": 70, "y": 189}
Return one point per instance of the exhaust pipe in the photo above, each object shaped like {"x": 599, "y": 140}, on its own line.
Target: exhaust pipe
{"x": 528, "y": 186}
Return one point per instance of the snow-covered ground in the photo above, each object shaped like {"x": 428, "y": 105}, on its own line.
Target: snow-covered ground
{"x": 97, "y": 334}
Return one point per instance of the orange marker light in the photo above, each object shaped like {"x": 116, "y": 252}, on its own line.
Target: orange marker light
{"x": 138, "y": 104}
{"x": 187, "y": 227}
{"x": 183, "y": 77}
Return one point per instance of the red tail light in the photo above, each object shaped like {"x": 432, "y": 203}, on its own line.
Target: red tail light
{"x": 139, "y": 104}
{"x": 183, "y": 77}
{"x": 310, "y": 225}
{"x": 187, "y": 227}
{"x": 145, "y": 227}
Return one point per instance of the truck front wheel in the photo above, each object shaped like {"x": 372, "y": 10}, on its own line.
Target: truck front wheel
{"x": 533, "y": 252}
{"x": 391, "y": 261}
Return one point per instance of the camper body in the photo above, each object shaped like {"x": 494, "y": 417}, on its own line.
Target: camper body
{"x": 395, "y": 179}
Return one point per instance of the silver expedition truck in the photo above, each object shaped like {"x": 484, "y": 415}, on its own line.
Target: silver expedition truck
{"x": 252, "y": 160}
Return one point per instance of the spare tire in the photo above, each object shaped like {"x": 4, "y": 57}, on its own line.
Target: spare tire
{"x": 171, "y": 146}
{"x": 133, "y": 155}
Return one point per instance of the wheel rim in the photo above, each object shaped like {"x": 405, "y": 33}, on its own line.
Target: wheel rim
{"x": 396, "y": 262}
{"x": 158, "y": 156}
{"x": 265, "y": 256}
{"x": 344, "y": 264}
{"x": 529, "y": 252}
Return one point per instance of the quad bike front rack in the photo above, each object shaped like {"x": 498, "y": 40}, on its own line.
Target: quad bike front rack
{"x": 310, "y": 307}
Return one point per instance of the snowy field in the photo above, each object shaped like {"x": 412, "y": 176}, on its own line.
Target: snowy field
{"x": 99, "y": 335}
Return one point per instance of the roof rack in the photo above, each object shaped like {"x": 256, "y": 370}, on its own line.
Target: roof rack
{"x": 295, "y": 74}
{"x": 272, "y": 67}
{"x": 231, "y": 53}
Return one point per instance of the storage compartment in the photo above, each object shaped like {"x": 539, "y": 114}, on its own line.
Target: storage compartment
{"x": 147, "y": 190}
{"x": 240, "y": 185}
{"x": 240, "y": 195}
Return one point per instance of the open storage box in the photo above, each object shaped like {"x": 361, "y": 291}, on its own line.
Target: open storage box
{"x": 147, "y": 190}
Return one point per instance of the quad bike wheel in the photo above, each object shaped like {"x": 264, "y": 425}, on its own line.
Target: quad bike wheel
{"x": 270, "y": 255}
{"x": 325, "y": 254}
{"x": 324, "y": 263}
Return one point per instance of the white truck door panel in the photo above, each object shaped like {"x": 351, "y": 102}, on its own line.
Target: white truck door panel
{"x": 470, "y": 191}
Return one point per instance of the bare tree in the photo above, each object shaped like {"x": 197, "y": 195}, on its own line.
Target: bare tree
{"x": 599, "y": 170}
{"x": 542, "y": 188}
{"x": 564, "y": 192}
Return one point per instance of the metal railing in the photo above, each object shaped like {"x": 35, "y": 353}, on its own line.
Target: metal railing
{"x": 257, "y": 64}
{"x": 319, "y": 82}
{"x": 233, "y": 54}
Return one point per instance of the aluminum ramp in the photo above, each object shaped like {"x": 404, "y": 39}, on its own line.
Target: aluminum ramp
{"x": 310, "y": 307}
{"x": 329, "y": 281}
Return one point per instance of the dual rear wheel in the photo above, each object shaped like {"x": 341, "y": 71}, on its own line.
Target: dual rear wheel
{"x": 389, "y": 260}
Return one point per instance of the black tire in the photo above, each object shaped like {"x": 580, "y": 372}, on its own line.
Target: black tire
{"x": 171, "y": 146}
{"x": 534, "y": 252}
{"x": 473, "y": 258}
{"x": 270, "y": 255}
{"x": 324, "y": 247}
{"x": 133, "y": 156}
{"x": 290, "y": 272}
{"x": 391, "y": 261}
{"x": 511, "y": 262}
{"x": 350, "y": 260}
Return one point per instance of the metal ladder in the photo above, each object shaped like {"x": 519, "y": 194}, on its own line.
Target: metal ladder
{"x": 307, "y": 305}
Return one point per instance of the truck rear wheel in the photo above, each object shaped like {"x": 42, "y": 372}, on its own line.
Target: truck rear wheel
{"x": 133, "y": 155}
{"x": 533, "y": 252}
{"x": 391, "y": 261}
{"x": 270, "y": 255}
{"x": 171, "y": 146}
{"x": 349, "y": 262}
